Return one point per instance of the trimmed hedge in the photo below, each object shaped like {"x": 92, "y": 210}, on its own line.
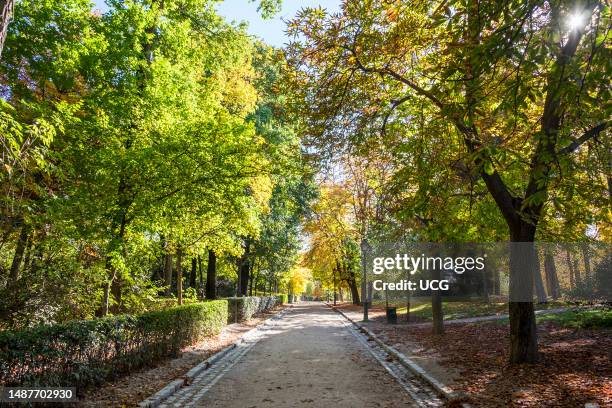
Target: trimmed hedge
{"x": 81, "y": 353}
{"x": 240, "y": 309}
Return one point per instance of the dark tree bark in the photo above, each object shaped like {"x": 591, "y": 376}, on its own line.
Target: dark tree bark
{"x": 251, "y": 278}
{"x": 179, "y": 275}
{"x": 211, "y": 276}
{"x": 244, "y": 269}
{"x": 354, "y": 291}
{"x": 437, "y": 313}
{"x": 523, "y": 334}
{"x": 193, "y": 273}
{"x": 200, "y": 278}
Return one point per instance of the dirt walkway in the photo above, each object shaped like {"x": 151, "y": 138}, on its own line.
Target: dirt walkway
{"x": 306, "y": 359}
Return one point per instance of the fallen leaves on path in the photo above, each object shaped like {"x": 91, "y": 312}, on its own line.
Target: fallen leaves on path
{"x": 575, "y": 365}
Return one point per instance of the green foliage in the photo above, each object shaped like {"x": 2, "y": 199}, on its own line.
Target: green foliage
{"x": 128, "y": 136}
{"x": 81, "y": 353}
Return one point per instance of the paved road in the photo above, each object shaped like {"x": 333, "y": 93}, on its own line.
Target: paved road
{"x": 307, "y": 358}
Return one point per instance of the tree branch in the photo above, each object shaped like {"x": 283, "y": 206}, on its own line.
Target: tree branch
{"x": 588, "y": 135}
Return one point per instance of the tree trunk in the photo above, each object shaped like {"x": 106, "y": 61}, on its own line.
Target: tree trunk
{"x": 251, "y": 279}
{"x": 537, "y": 280}
{"x": 244, "y": 269}
{"x": 523, "y": 334}
{"x": 18, "y": 256}
{"x": 103, "y": 311}
{"x": 193, "y": 273}
{"x": 437, "y": 313}
{"x": 116, "y": 291}
{"x": 496, "y": 281}
{"x": 6, "y": 8}
{"x": 570, "y": 266}
{"x": 354, "y": 291}
{"x": 201, "y": 278}
{"x": 115, "y": 279}
{"x": 335, "y": 295}
{"x": 211, "y": 275}
{"x": 179, "y": 275}
{"x": 578, "y": 278}
{"x": 485, "y": 284}
{"x": 168, "y": 274}
{"x": 552, "y": 281}
{"x": 256, "y": 281}
{"x": 587, "y": 262}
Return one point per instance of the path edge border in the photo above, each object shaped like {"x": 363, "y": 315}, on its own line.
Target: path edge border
{"x": 160, "y": 396}
{"x": 444, "y": 390}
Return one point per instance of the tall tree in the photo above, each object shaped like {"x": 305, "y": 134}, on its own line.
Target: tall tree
{"x": 500, "y": 75}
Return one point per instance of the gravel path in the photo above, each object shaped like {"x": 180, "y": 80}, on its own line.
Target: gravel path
{"x": 308, "y": 358}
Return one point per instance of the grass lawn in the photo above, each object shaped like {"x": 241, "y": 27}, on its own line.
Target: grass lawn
{"x": 461, "y": 310}
{"x": 581, "y": 319}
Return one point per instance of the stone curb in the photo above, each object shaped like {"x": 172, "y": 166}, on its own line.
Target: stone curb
{"x": 160, "y": 396}
{"x": 157, "y": 398}
{"x": 442, "y": 389}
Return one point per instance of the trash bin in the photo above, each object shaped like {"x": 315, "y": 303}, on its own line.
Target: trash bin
{"x": 392, "y": 315}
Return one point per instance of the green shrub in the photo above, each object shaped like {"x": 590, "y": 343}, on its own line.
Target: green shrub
{"x": 244, "y": 308}
{"x": 81, "y": 353}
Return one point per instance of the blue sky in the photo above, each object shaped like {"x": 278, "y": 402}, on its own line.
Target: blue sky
{"x": 271, "y": 31}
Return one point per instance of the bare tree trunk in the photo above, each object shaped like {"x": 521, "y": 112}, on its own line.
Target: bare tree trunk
{"x": 523, "y": 334}
{"x": 251, "y": 277}
{"x": 6, "y": 8}
{"x": 437, "y": 313}
{"x": 211, "y": 275}
{"x": 485, "y": 284}
{"x": 587, "y": 261}
{"x": 577, "y": 272}
{"x": 354, "y": 291}
{"x": 18, "y": 256}
{"x": 244, "y": 269}
{"x": 179, "y": 275}
{"x": 168, "y": 274}
{"x": 570, "y": 265}
{"x": 550, "y": 271}
{"x": 193, "y": 273}
{"x": 335, "y": 295}
{"x": 496, "y": 281}
{"x": 201, "y": 278}
{"x": 537, "y": 280}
